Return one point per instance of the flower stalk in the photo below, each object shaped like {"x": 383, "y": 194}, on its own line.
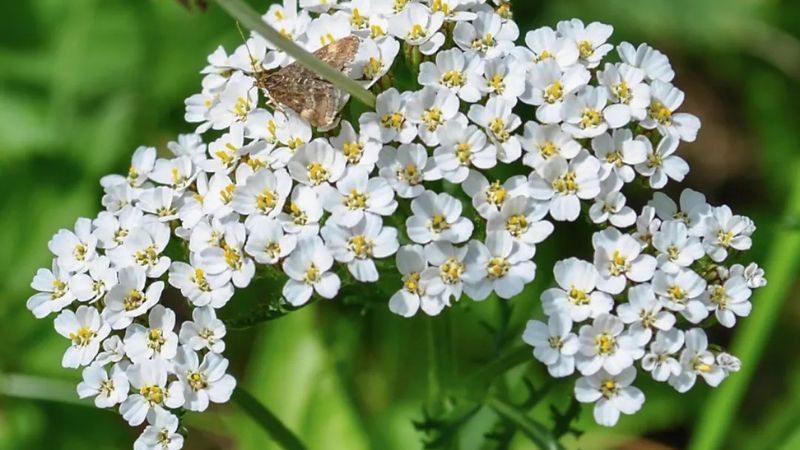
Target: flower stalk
{"x": 282, "y": 435}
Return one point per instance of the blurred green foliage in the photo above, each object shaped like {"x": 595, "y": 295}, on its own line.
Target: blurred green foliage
{"x": 83, "y": 82}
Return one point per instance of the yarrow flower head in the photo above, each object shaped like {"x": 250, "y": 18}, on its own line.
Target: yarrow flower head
{"x": 447, "y": 191}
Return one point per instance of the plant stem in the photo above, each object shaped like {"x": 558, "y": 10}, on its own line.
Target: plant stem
{"x": 267, "y": 420}
{"x": 535, "y": 431}
{"x": 483, "y": 377}
{"x": 781, "y": 267}
{"x": 248, "y": 17}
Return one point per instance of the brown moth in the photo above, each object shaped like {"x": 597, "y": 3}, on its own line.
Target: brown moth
{"x": 308, "y": 94}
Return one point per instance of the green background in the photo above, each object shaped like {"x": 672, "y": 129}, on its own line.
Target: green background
{"x": 83, "y": 82}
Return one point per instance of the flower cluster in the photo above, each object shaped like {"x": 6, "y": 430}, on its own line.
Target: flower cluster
{"x": 257, "y": 190}
{"x": 649, "y": 294}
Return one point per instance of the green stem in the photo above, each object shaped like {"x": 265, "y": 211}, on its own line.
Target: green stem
{"x": 246, "y": 15}
{"x": 536, "y": 432}
{"x": 781, "y": 267}
{"x": 267, "y": 420}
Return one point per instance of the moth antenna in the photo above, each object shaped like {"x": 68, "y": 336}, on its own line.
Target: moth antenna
{"x": 247, "y": 47}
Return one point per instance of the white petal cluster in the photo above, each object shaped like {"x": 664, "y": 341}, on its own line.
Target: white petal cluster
{"x": 649, "y": 294}
{"x": 257, "y": 191}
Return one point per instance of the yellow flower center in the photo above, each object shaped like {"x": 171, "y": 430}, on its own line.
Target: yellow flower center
{"x": 152, "y": 394}
{"x": 438, "y": 224}
{"x": 605, "y": 344}
{"x": 453, "y": 78}
{"x": 566, "y": 184}
{"x": 496, "y": 194}
{"x": 83, "y": 336}
{"x": 586, "y": 49}
{"x": 373, "y": 68}
{"x": 590, "y": 118}
{"x": 196, "y": 381}
{"x": 463, "y": 153}
{"x": 725, "y": 238}
{"x": 233, "y": 258}
{"x": 353, "y": 151}
{"x": 59, "y": 289}
{"x": 199, "y": 279}
{"x": 417, "y": 32}
{"x": 497, "y": 84}
{"x": 618, "y": 264}
{"x": 133, "y": 300}
{"x": 517, "y": 225}
{"x": 497, "y": 267}
{"x": 554, "y": 92}
{"x": 355, "y": 200}
{"x": 548, "y": 149}
{"x": 451, "y": 270}
{"x": 411, "y": 283}
{"x": 432, "y": 118}
{"x": 317, "y": 173}
{"x": 155, "y": 339}
{"x": 660, "y": 113}
{"x": 623, "y": 92}
{"x": 146, "y": 257}
{"x": 394, "y": 120}
{"x": 360, "y": 246}
{"x": 312, "y": 274}
{"x": 676, "y": 293}
{"x": 409, "y": 174}
{"x": 608, "y": 388}
{"x": 578, "y": 296}
{"x": 498, "y": 128}
{"x": 266, "y": 201}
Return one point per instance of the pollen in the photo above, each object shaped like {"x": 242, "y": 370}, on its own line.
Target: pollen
{"x": 196, "y": 381}
{"x": 146, "y": 257}
{"x": 606, "y": 344}
{"x": 155, "y": 339}
{"x": 548, "y": 149}
{"x": 496, "y": 194}
{"x": 83, "y": 336}
{"x": 554, "y": 92}
{"x": 80, "y": 251}
{"x": 153, "y": 395}
{"x": 317, "y": 173}
{"x": 417, "y": 32}
{"x": 294, "y": 143}
{"x": 357, "y": 20}
{"x": 555, "y": 342}
{"x": 590, "y": 118}
{"x": 618, "y": 264}
{"x": 432, "y": 118}
{"x": 299, "y": 217}
{"x": 355, "y": 200}
{"x": 360, "y": 246}
{"x": 498, "y": 128}
{"x": 586, "y": 49}
{"x": 497, "y": 267}
{"x": 451, "y": 270}
{"x": 453, "y": 78}
{"x": 393, "y": 120}
{"x": 676, "y": 293}
{"x": 226, "y": 194}
{"x": 719, "y": 297}
{"x": 373, "y": 68}
{"x": 133, "y": 300}
{"x": 566, "y": 184}
{"x": 438, "y": 223}
{"x": 233, "y": 258}
{"x": 463, "y": 153}
{"x": 578, "y": 296}
{"x": 353, "y": 151}
{"x": 623, "y": 92}
{"x": 409, "y": 174}
{"x": 660, "y": 113}
{"x": 411, "y": 283}
{"x": 517, "y": 225}
{"x": 199, "y": 279}
{"x": 266, "y": 201}
{"x": 725, "y": 238}
{"x": 312, "y": 274}
{"x": 497, "y": 84}
{"x": 608, "y": 388}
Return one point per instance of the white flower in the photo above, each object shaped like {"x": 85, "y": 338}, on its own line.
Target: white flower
{"x": 662, "y": 163}
{"x": 437, "y": 217}
{"x": 444, "y": 279}
{"x": 585, "y": 114}
{"x": 358, "y": 244}
{"x": 618, "y": 257}
{"x": 176, "y": 173}
{"x": 203, "y": 382}
{"x": 664, "y": 100}
{"x": 541, "y": 142}
{"x": 151, "y": 392}
{"x": 357, "y": 195}
{"x": 204, "y": 331}
{"x": 497, "y": 266}
{"x": 162, "y": 434}
{"x": 325, "y": 29}
{"x": 263, "y": 193}
{"x": 488, "y": 198}
{"x": 161, "y": 202}
{"x": 752, "y": 274}
{"x": 520, "y": 219}
{"x": 143, "y": 249}
{"x": 317, "y": 163}
{"x": 432, "y": 107}
{"x": 728, "y": 363}
{"x": 225, "y": 151}
{"x": 190, "y": 145}
{"x": 693, "y": 209}
{"x": 113, "y": 351}
{"x": 303, "y": 213}
{"x": 604, "y": 346}
{"x": 462, "y": 147}
{"x": 142, "y": 164}
{"x": 725, "y": 231}
{"x": 660, "y": 360}
{"x": 158, "y": 340}
{"x": 54, "y": 291}
{"x": 565, "y": 183}
{"x": 307, "y": 268}
{"x": 576, "y": 296}
{"x": 113, "y": 230}
{"x": 618, "y": 152}
{"x": 267, "y": 243}
{"x": 107, "y": 389}
{"x": 647, "y": 224}
{"x": 389, "y": 122}
{"x": 609, "y": 206}
{"x": 676, "y": 248}
{"x": 488, "y": 35}
{"x": 728, "y": 300}
{"x": 85, "y": 329}
{"x": 654, "y": 63}
{"x": 553, "y": 343}
{"x": 502, "y": 78}
{"x": 404, "y": 168}
{"x": 359, "y": 150}
{"x": 229, "y": 262}
{"x": 292, "y": 131}
{"x": 374, "y": 59}
{"x": 454, "y": 70}
{"x": 590, "y": 39}
{"x": 612, "y": 395}
{"x": 543, "y": 44}
{"x": 644, "y": 313}
{"x": 696, "y": 360}
{"x": 547, "y": 87}
{"x": 235, "y": 102}
{"x": 76, "y": 251}
{"x": 680, "y": 292}
{"x": 199, "y": 287}
{"x": 418, "y": 26}
{"x": 129, "y": 298}
{"x": 499, "y": 122}
{"x": 412, "y": 297}
{"x": 627, "y": 91}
